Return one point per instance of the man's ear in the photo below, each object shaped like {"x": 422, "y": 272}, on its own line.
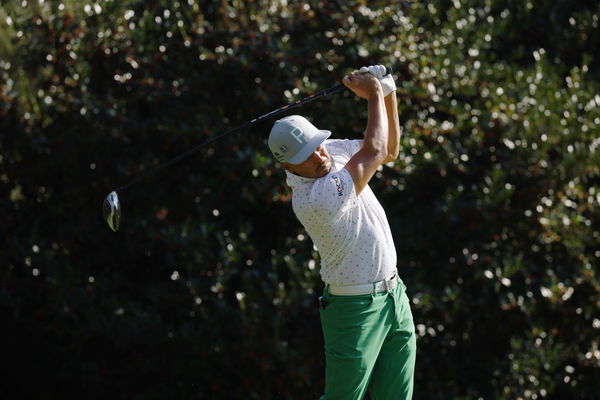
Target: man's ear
{"x": 287, "y": 166}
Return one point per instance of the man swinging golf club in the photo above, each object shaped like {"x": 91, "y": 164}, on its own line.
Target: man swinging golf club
{"x": 367, "y": 324}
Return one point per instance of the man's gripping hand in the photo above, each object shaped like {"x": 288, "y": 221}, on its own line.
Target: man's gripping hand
{"x": 363, "y": 85}
{"x": 387, "y": 81}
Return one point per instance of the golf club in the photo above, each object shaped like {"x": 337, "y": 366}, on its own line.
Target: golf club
{"x": 111, "y": 207}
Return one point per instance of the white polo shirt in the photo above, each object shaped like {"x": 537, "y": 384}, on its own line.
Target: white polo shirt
{"x": 351, "y": 232}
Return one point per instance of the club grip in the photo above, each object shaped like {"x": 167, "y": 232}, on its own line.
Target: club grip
{"x": 388, "y": 70}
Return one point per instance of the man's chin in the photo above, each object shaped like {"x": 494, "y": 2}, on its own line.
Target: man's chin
{"x": 321, "y": 172}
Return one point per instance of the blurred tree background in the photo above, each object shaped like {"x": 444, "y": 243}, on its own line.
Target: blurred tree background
{"x": 209, "y": 288}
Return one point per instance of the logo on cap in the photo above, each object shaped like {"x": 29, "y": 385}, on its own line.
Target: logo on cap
{"x": 298, "y": 134}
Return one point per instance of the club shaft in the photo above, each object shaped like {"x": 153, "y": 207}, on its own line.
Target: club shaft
{"x": 270, "y": 114}
{"x": 287, "y": 107}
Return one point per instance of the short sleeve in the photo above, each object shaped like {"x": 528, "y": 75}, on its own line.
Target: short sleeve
{"x": 333, "y": 194}
{"x": 353, "y": 146}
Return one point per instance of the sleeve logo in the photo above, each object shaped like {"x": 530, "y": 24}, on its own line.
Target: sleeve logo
{"x": 338, "y": 184}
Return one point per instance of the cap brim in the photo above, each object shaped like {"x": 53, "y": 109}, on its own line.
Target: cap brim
{"x": 309, "y": 147}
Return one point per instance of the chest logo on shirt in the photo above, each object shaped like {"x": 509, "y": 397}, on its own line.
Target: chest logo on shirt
{"x": 338, "y": 184}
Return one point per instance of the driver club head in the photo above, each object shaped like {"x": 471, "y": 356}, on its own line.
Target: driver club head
{"x": 111, "y": 209}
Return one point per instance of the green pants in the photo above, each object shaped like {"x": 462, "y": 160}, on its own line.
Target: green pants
{"x": 369, "y": 344}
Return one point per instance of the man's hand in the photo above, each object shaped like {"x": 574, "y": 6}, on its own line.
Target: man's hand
{"x": 387, "y": 81}
{"x": 363, "y": 85}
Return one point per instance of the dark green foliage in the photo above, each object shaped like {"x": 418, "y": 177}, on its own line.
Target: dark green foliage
{"x": 209, "y": 289}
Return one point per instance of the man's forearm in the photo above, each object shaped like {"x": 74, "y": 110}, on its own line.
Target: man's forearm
{"x": 394, "y": 132}
{"x": 376, "y": 134}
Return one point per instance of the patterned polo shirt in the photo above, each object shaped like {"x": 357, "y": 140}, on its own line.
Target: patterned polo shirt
{"x": 350, "y": 232}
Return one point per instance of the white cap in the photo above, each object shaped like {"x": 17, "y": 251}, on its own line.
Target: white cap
{"x": 293, "y": 139}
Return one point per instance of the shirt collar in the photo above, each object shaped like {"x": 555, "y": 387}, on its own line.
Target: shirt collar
{"x": 294, "y": 180}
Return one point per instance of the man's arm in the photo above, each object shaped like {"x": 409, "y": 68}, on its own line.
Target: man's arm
{"x": 374, "y": 150}
{"x": 394, "y": 132}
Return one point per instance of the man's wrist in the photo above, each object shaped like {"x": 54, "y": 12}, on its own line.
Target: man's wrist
{"x": 376, "y": 99}
{"x": 376, "y": 94}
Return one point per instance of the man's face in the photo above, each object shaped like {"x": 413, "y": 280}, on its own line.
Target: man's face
{"x": 318, "y": 164}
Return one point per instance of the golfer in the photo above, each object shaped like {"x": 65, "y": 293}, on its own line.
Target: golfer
{"x": 367, "y": 324}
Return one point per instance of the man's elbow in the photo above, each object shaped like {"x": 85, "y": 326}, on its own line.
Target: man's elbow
{"x": 391, "y": 157}
{"x": 381, "y": 155}
{"x": 376, "y": 150}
